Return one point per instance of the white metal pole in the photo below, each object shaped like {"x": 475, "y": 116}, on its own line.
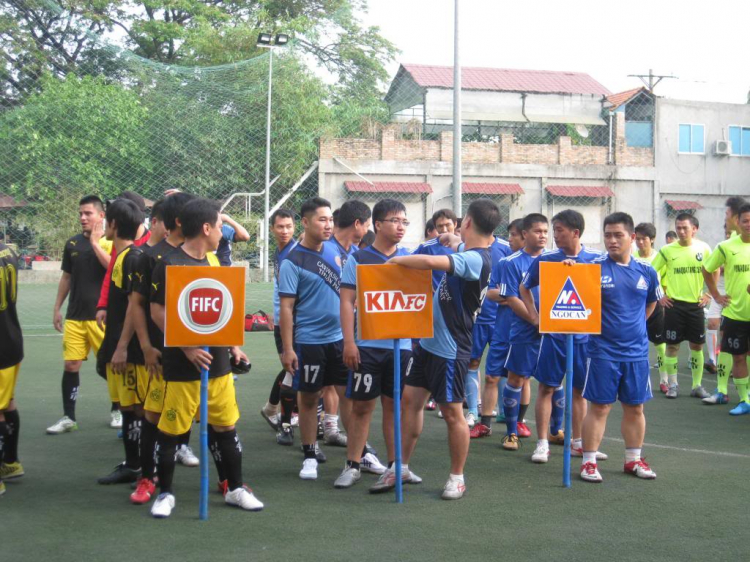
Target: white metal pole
{"x": 457, "y": 204}
{"x": 267, "y": 230}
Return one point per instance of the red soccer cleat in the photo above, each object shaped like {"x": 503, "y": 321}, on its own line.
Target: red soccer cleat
{"x": 480, "y": 430}
{"x": 639, "y": 468}
{"x": 523, "y": 430}
{"x": 143, "y": 491}
{"x": 431, "y": 405}
{"x": 663, "y": 387}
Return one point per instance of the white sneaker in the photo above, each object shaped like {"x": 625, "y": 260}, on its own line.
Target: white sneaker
{"x": 590, "y": 473}
{"x": 115, "y": 419}
{"x": 348, "y": 478}
{"x": 295, "y": 420}
{"x": 540, "y": 454}
{"x": 335, "y": 438}
{"x": 163, "y": 506}
{"x": 186, "y": 457}
{"x": 309, "y": 470}
{"x": 454, "y": 490}
{"x": 243, "y": 497}
{"x": 440, "y": 413}
{"x": 471, "y": 420}
{"x": 63, "y": 425}
{"x": 371, "y": 463}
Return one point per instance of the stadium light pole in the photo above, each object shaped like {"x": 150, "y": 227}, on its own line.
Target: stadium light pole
{"x": 457, "y": 203}
{"x": 268, "y": 41}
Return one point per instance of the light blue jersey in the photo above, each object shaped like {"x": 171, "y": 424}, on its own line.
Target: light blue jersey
{"x": 498, "y": 250}
{"x": 513, "y": 273}
{"x": 278, "y": 257}
{"x": 434, "y": 248}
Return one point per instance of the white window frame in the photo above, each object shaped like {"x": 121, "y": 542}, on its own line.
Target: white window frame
{"x": 691, "y": 138}
{"x": 740, "y": 128}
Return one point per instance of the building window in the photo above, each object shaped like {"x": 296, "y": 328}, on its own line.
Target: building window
{"x": 692, "y": 139}
{"x": 740, "y": 137}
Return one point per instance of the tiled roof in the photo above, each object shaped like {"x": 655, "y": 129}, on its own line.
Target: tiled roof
{"x": 507, "y": 80}
{"x": 623, "y": 97}
{"x": 492, "y": 188}
{"x": 580, "y": 191}
{"x": 680, "y": 205}
{"x": 387, "y": 187}
{"x": 7, "y": 202}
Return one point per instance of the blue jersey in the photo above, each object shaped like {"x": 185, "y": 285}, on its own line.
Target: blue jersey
{"x": 498, "y": 250}
{"x": 504, "y": 313}
{"x": 278, "y": 257}
{"x": 457, "y": 302}
{"x": 626, "y": 290}
{"x": 513, "y": 273}
{"x": 313, "y": 279}
{"x": 531, "y": 279}
{"x": 343, "y": 252}
{"x": 224, "y": 251}
{"x": 370, "y": 256}
{"x": 434, "y": 248}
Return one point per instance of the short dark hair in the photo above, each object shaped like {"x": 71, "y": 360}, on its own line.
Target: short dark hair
{"x": 620, "y": 218}
{"x": 570, "y": 219}
{"x": 157, "y": 211}
{"x": 126, "y": 217}
{"x": 646, "y": 229}
{"x": 367, "y": 239}
{"x": 384, "y": 207}
{"x": 173, "y": 205}
{"x": 744, "y": 209}
{"x": 335, "y": 215}
{"x": 688, "y": 217}
{"x": 516, "y": 225}
{"x": 485, "y": 216}
{"x": 195, "y": 214}
{"x": 670, "y": 234}
{"x": 735, "y": 204}
{"x": 94, "y": 200}
{"x": 444, "y": 214}
{"x": 281, "y": 214}
{"x": 533, "y": 218}
{"x": 139, "y": 201}
{"x": 312, "y": 205}
{"x": 428, "y": 226}
{"x": 458, "y": 222}
{"x": 353, "y": 211}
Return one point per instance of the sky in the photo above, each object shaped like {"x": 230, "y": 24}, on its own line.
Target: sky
{"x": 705, "y": 44}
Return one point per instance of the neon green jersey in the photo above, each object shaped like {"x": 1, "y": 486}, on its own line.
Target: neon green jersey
{"x": 734, "y": 255}
{"x": 650, "y": 259}
{"x": 682, "y": 265}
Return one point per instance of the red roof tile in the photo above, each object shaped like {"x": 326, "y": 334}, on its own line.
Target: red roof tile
{"x": 507, "y": 80}
{"x": 7, "y": 202}
{"x": 492, "y": 188}
{"x": 623, "y": 97}
{"x": 679, "y": 205}
{"x": 387, "y": 187}
{"x": 580, "y": 191}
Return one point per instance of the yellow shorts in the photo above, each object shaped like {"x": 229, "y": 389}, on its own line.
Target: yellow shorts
{"x": 182, "y": 403}
{"x": 8, "y": 377}
{"x": 124, "y": 388}
{"x": 151, "y": 391}
{"x": 80, "y": 337}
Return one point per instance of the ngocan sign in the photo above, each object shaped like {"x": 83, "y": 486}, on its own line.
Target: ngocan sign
{"x": 570, "y": 298}
{"x": 393, "y": 302}
{"x": 204, "y": 306}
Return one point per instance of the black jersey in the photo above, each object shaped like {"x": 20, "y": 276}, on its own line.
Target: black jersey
{"x": 175, "y": 363}
{"x": 145, "y": 266}
{"x": 86, "y": 276}
{"x": 11, "y": 346}
{"x": 123, "y": 276}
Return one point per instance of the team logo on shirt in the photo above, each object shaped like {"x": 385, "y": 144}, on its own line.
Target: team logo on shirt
{"x": 393, "y": 301}
{"x": 699, "y": 256}
{"x": 205, "y": 306}
{"x": 568, "y": 305}
{"x": 642, "y": 285}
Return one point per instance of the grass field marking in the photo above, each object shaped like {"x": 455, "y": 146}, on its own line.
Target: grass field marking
{"x": 685, "y": 449}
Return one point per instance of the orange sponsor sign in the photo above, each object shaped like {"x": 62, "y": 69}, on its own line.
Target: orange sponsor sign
{"x": 204, "y": 306}
{"x": 570, "y": 298}
{"x": 393, "y": 302}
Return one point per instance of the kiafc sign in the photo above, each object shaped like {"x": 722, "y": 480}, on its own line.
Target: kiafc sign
{"x": 393, "y": 301}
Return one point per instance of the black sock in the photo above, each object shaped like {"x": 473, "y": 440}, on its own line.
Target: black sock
{"x": 309, "y": 451}
{"x": 13, "y": 421}
{"x": 390, "y": 463}
{"x": 131, "y": 436}
{"x": 320, "y": 410}
{"x": 522, "y": 411}
{"x": 149, "y": 433}
{"x": 70, "y": 383}
{"x": 166, "y": 449}
{"x": 352, "y": 464}
{"x": 115, "y": 407}
{"x": 213, "y": 446}
{"x": 184, "y": 439}
{"x": 231, "y": 457}
{"x": 486, "y": 420}
{"x": 274, "y": 397}
{"x": 364, "y": 450}
{"x": 288, "y": 403}
{"x": 3, "y": 437}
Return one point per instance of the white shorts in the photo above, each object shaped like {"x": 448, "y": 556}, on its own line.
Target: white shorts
{"x": 714, "y": 309}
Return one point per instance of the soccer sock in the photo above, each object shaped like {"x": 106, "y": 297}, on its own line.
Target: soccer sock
{"x": 696, "y": 366}
{"x": 331, "y": 423}
{"x": 457, "y": 477}
{"x": 711, "y": 336}
{"x": 309, "y": 451}
{"x": 149, "y": 433}
{"x": 511, "y": 397}
{"x": 352, "y": 464}
{"x": 589, "y": 456}
{"x": 70, "y": 383}
{"x": 131, "y": 431}
{"x": 522, "y": 412}
{"x": 288, "y": 401}
{"x": 723, "y": 370}
{"x": 213, "y": 446}
{"x": 576, "y": 443}
{"x": 184, "y": 439}
{"x": 3, "y": 437}
{"x": 543, "y": 443}
{"x": 472, "y": 391}
{"x": 741, "y": 385}
{"x": 632, "y": 455}
{"x": 558, "y": 410}
{"x": 670, "y": 364}
{"x": 661, "y": 354}
{"x": 231, "y": 457}
{"x": 486, "y": 420}
{"x": 13, "y": 421}
{"x": 115, "y": 407}
{"x": 166, "y": 448}
{"x": 273, "y": 398}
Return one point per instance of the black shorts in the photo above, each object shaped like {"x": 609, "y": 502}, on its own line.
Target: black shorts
{"x": 444, "y": 378}
{"x": 655, "y": 326}
{"x": 320, "y": 365}
{"x": 735, "y": 338}
{"x": 685, "y": 321}
{"x": 277, "y": 339}
{"x": 375, "y": 374}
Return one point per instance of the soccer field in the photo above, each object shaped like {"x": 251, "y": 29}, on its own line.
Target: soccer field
{"x": 513, "y": 510}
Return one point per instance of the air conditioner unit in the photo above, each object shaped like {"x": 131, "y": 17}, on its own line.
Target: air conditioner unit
{"x": 722, "y": 147}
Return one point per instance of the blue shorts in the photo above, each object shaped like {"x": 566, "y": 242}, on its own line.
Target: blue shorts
{"x": 444, "y": 378}
{"x": 522, "y": 358}
{"x": 495, "y": 365}
{"x": 551, "y": 367}
{"x": 480, "y": 339}
{"x": 626, "y": 381}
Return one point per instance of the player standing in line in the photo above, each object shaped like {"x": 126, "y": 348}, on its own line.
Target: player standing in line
{"x": 734, "y": 255}
{"x": 430, "y": 231}
{"x": 231, "y": 231}
{"x": 567, "y": 228}
{"x": 618, "y": 366}
{"x": 682, "y": 263}
{"x": 11, "y": 355}
{"x": 670, "y": 237}
{"x": 440, "y": 363}
{"x": 523, "y": 352}
{"x": 495, "y": 372}
{"x": 370, "y": 361}
{"x": 85, "y": 260}
{"x": 201, "y": 225}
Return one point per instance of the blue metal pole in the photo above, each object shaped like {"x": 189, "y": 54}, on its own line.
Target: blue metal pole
{"x": 203, "y": 504}
{"x": 397, "y": 418}
{"x": 568, "y": 407}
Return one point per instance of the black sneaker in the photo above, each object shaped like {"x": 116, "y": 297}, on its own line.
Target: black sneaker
{"x": 285, "y": 435}
{"x": 319, "y": 455}
{"x": 120, "y": 475}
